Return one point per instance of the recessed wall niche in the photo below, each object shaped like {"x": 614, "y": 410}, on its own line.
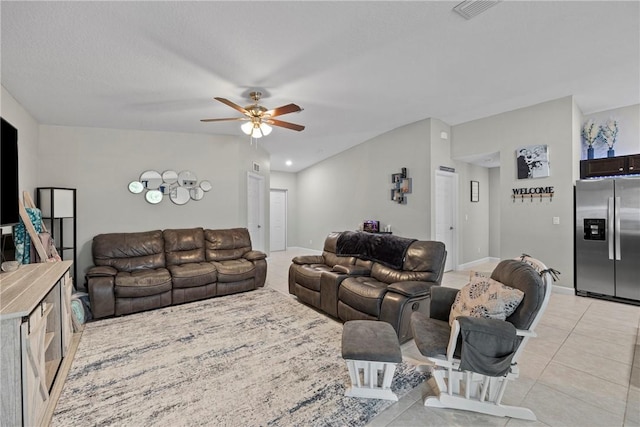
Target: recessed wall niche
{"x": 178, "y": 187}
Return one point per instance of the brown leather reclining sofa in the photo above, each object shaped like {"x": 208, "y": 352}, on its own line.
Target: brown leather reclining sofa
{"x": 365, "y": 276}
{"x": 141, "y": 271}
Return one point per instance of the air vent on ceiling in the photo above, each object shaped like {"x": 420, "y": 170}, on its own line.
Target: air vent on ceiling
{"x": 472, "y": 8}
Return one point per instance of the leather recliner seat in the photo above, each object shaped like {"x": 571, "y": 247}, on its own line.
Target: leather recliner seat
{"x": 141, "y": 271}
{"x": 354, "y": 288}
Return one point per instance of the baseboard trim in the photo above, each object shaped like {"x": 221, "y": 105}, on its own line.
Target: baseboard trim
{"x": 469, "y": 265}
{"x": 562, "y": 290}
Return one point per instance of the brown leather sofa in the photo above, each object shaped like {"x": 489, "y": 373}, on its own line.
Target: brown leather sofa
{"x": 364, "y": 283}
{"x": 141, "y": 271}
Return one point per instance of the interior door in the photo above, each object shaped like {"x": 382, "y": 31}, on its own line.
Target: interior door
{"x": 446, "y": 214}
{"x": 255, "y": 210}
{"x": 278, "y": 220}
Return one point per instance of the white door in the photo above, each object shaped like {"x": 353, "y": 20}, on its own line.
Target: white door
{"x": 278, "y": 220}
{"x": 446, "y": 214}
{"x": 255, "y": 210}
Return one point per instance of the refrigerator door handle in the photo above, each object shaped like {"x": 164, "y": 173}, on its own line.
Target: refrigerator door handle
{"x": 617, "y": 228}
{"x": 610, "y": 226}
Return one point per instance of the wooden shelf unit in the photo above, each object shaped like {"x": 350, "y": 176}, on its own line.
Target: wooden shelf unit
{"x": 35, "y": 333}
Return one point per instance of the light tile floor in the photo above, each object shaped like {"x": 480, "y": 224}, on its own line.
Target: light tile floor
{"x": 579, "y": 371}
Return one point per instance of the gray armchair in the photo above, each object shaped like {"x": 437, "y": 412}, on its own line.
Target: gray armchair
{"x": 475, "y": 357}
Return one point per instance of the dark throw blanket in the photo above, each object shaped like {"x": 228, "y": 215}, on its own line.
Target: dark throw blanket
{"x": 383, "y": 248}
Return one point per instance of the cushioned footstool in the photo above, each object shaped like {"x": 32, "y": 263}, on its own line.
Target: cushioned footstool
{"x": 371, "y": 350}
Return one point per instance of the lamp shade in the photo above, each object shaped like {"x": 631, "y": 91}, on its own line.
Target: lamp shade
{"x": 247, "y": 128}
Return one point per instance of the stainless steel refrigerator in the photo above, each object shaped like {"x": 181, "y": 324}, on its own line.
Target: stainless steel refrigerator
{"x": 607, "y": 238}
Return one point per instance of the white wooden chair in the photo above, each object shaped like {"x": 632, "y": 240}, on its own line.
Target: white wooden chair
{"x": 478, "y": 390}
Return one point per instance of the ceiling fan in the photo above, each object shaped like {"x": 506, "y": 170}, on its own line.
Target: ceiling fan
{"x": 258, "y": 119}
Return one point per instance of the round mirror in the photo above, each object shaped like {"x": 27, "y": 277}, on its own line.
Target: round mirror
{"x": 170, "y": 177}
{"x": 166, "y": 188}
{"x": 187, "y": 179}
{"x": 151, "y": 180}
{"x": 196, "y": 193}
{"x": 153, "y": 196}
{"x": 180, "y": 195}
{"x": 136, "y": 187}
{"x": 205, "y": 185}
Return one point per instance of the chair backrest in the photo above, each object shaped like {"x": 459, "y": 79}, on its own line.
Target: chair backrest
{"x": 129, "y": 251}
{"x": 183, "y": 246}
{"x": 531, "y": 277}
{"x": 329, "y": 251}
{"x": 222, "y": 245}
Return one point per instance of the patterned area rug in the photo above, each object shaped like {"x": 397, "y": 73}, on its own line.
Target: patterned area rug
{"x": 252, "y": 359}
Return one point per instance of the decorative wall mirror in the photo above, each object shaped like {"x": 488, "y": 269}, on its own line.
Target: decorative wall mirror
{"x": 151, "y": 180}
{"x": 153, "y": 196}
{"x": 196, "y": 193}
{"x": 178, "y": 187}
{"x": 170, "y": 177}
{"x": 136, "y": 187}
{"x": 180, "y": 195}
{"x": 187, "y": 179}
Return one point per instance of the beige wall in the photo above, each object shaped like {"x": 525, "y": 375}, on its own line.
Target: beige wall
{"x": 528, "y": 226}
{"x": 28, "y": 134}
{"x": 342, "y": 191}
{"x": 100, "y": 163}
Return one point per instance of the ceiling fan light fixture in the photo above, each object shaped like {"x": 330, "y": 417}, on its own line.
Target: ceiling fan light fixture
{"x": 247, "y": 128}
{"x": 266, "y": 129}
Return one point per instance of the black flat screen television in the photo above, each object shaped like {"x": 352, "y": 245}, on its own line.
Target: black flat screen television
{"x": 9, "y": 192}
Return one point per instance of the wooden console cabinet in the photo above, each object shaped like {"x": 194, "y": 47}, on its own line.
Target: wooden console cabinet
{"x": 35, "y": 333}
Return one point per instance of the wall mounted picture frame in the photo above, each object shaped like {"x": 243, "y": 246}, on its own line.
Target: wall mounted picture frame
{"x": 475, "y": 191}
{"x": 532, "y": 161}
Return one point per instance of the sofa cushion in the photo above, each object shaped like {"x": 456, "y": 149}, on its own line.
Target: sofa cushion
{"x": 129, "y": 251}
{"x": 234, "y": 270}
{"x": 389, "y": 275}
{"x": 183, "y": 245}
{"x": 193, "y": 274}
{"x": 363, "y": 293}
{"x": 142, "y": 283}
{"x": 222, "y": 245}
{"x": 485, "y": 297}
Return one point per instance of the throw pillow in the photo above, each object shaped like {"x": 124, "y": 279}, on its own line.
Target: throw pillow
{"x": 485, "y": 297}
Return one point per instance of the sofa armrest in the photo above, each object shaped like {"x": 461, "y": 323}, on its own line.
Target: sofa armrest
{"x": 352, "y": 270}
{"x": 254, "y": 255}
{"x": 102, "y": 296}
{"x": 308, "y": 259}
{"x": 441, "y": 301}
{"x": 101, "y": 271}
{"x": 412, "y": 288}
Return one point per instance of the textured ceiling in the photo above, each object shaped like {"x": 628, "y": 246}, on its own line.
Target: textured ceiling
{"x": 358, "y": 69}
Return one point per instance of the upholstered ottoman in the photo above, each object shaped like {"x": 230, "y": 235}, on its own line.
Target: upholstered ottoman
{"x": 371, "y": 350}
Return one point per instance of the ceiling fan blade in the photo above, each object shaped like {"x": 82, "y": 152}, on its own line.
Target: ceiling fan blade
{"x": 285, "y": 109}
{"x": 222, "y": 120}
{"x": 232, "y": 105}
{"x": 287, "y": 125}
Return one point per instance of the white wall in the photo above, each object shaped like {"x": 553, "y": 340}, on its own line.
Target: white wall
{"x": 527, "y": 226}
{"x": 340, "y": 192}
{"x": 28, "y": 133}
{"x": 288, "y": 181}
{"x": 473, "y": 218}
{"x": 628, "y": 141}
{"x": 100, "y": 163}
{"x": 494, "y": 212}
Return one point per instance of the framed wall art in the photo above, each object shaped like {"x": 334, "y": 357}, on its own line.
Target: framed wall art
{"x": 475, "y": 191}
{"x": 532, "y": 161}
